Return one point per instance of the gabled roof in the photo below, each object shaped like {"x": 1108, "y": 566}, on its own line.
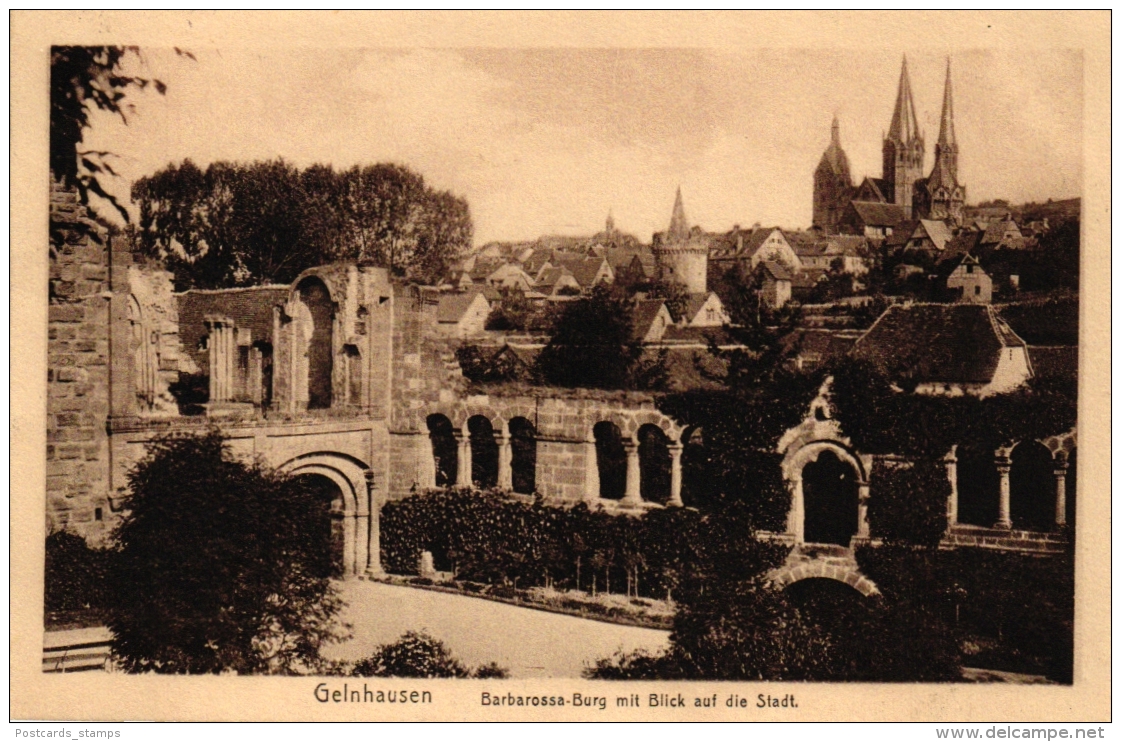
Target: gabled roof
{"x": 696, "y": 302}
{"x": 583, "y": 268}
{"x": 938, "y": 232}
{"x": 645, "y": 312}
{"x": 552, "y": 275}
{"x": 620, "y": 259}
{"x": 996, "y": 230}
{"x": 249, "y": 308}
{"x": 755, "y": 240}
{"x": 947, "y": 343}
{"x": 484, "y": 267}
{"x": 875, "y": 190}
{"x": 777, "y": 271}
{"x": 453, "y": 307}
{"x": 873, "y": 214}
{"x": 807, "y": 278}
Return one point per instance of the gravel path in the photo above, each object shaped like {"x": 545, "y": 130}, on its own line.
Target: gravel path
{"x": 529, "y": 643}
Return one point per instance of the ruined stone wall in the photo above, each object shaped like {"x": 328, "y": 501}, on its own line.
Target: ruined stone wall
{"x": 154, "y": 321}
{"x": 77, "y": 368}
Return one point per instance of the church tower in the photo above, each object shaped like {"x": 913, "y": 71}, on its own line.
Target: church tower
{"x": 832, "y": 184}
{"x": 682, "y": 256}
{"x": 903, "y": 149}
{"x": 946, "y": 194}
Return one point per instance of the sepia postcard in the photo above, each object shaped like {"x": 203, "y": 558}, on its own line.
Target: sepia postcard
{"x": 560, "y": 366}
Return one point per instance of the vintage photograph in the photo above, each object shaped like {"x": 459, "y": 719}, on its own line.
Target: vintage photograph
{"x": 577, "y": 363}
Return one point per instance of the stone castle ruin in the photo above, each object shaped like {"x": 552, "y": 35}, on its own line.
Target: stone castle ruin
{"x": 345, "y": 377}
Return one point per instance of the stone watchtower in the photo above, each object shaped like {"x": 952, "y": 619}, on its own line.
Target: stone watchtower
{"x": 946, "y": 194}
{"x": 681, "y": 254}
{"x": 832, "y": 184}
{"x": 904, "y": 149}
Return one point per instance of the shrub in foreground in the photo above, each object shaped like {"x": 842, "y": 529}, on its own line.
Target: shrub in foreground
{"x": 221, "y": 566}
{"x": 418, "y": 655}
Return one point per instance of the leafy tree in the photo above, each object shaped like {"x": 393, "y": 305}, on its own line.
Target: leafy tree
{"x": 84, "y": 79}
{"x": 675, "y": 294}
{"x": 239, "y": 224}
{"x": 74, "y": 578}
{"x": 594, "y": 344}
{"x": 511, "y": 312}
{"x": 221, "y": 566}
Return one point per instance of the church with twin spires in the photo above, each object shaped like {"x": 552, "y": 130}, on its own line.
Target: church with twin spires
{"x": 902, "y": 194}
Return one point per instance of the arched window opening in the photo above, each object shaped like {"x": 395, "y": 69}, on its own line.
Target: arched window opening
{"x": 523, "y": 456}
{"x": 1032, "y": 483}
{"x": 978, "y": 487}
{"x": 611, "y": 460}
{"x": 260, "y": 374}
{"x": 445, "y": 451}
{"x": 327, "y": 531}
{"x": 654, "y": 464}
{"x": 698, "y": 489}
{"x": 830, "y": 495}
{"x": 484, "y": 452}
{"x": 314, "y": 296}
{"x": 353, "y": 375}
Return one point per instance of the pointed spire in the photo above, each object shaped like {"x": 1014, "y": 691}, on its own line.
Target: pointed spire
{"x": 835, "y": 138}
{"x": 946, "y": 131}
{"x": 904, "y": 121}
{"x": 610, "y": 227}
{"x": 678, "y": 224}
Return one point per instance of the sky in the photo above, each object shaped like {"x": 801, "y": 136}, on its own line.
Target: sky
{"x": 548, "y": 141}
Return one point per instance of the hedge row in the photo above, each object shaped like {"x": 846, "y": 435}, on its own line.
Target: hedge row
{"x": 486, "y": 537}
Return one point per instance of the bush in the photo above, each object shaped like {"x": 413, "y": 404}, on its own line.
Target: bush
{"x": 418, "y": 655}
{"x": 1015, "y": 610}
{"x": 74, "y": 579}
{"x": 485, "y": 537}
{"x": 222, "y": 566}
{"x": 910, "y": 502}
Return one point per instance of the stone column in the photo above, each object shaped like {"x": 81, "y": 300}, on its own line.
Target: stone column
{"x": 1003, "y": 468}
{"x": 862, "y": 510}
{"x": 591, "y": 471}
{"x": 349, "y": 539}
{"x": 463, "y": 459}
{"x": 373, "y": 550}
{"x": 1061, "y": 492}
{"x": 952, "y": 475}
{"x": 795, "y": 521}
{"x": 675, "y": 450}
{"x": 633, "y": 492}
{"x": 220, "y": 350}
{"x": 505, "y": 461}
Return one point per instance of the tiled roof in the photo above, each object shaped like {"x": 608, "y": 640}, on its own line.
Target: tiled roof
{"x": 938, "y": 231}
{"x": 778, "y": 271}
{"x": 877, "y": 214}
{"x": 452, "y": 307}
{"x": 249, "y": 308}
{"x": 645, "y": 311}
{"x": 583, "y": 268}
{"x": 952, "y": 343}
{"x": 620, "y": 259}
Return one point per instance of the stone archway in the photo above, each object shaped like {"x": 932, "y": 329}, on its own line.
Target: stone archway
{"x": 330, "y": 530}
{"x": 1032, "y": 487}
{"x": 523, "y": 455}
{"x": 822, "y": 569}
{"x": 655, "y": 464}
{"x": 484, "y": 452}
{"x": 830, "y": 491}
{"x": 361, "y": 543}
{"x": 831, "y": 498}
